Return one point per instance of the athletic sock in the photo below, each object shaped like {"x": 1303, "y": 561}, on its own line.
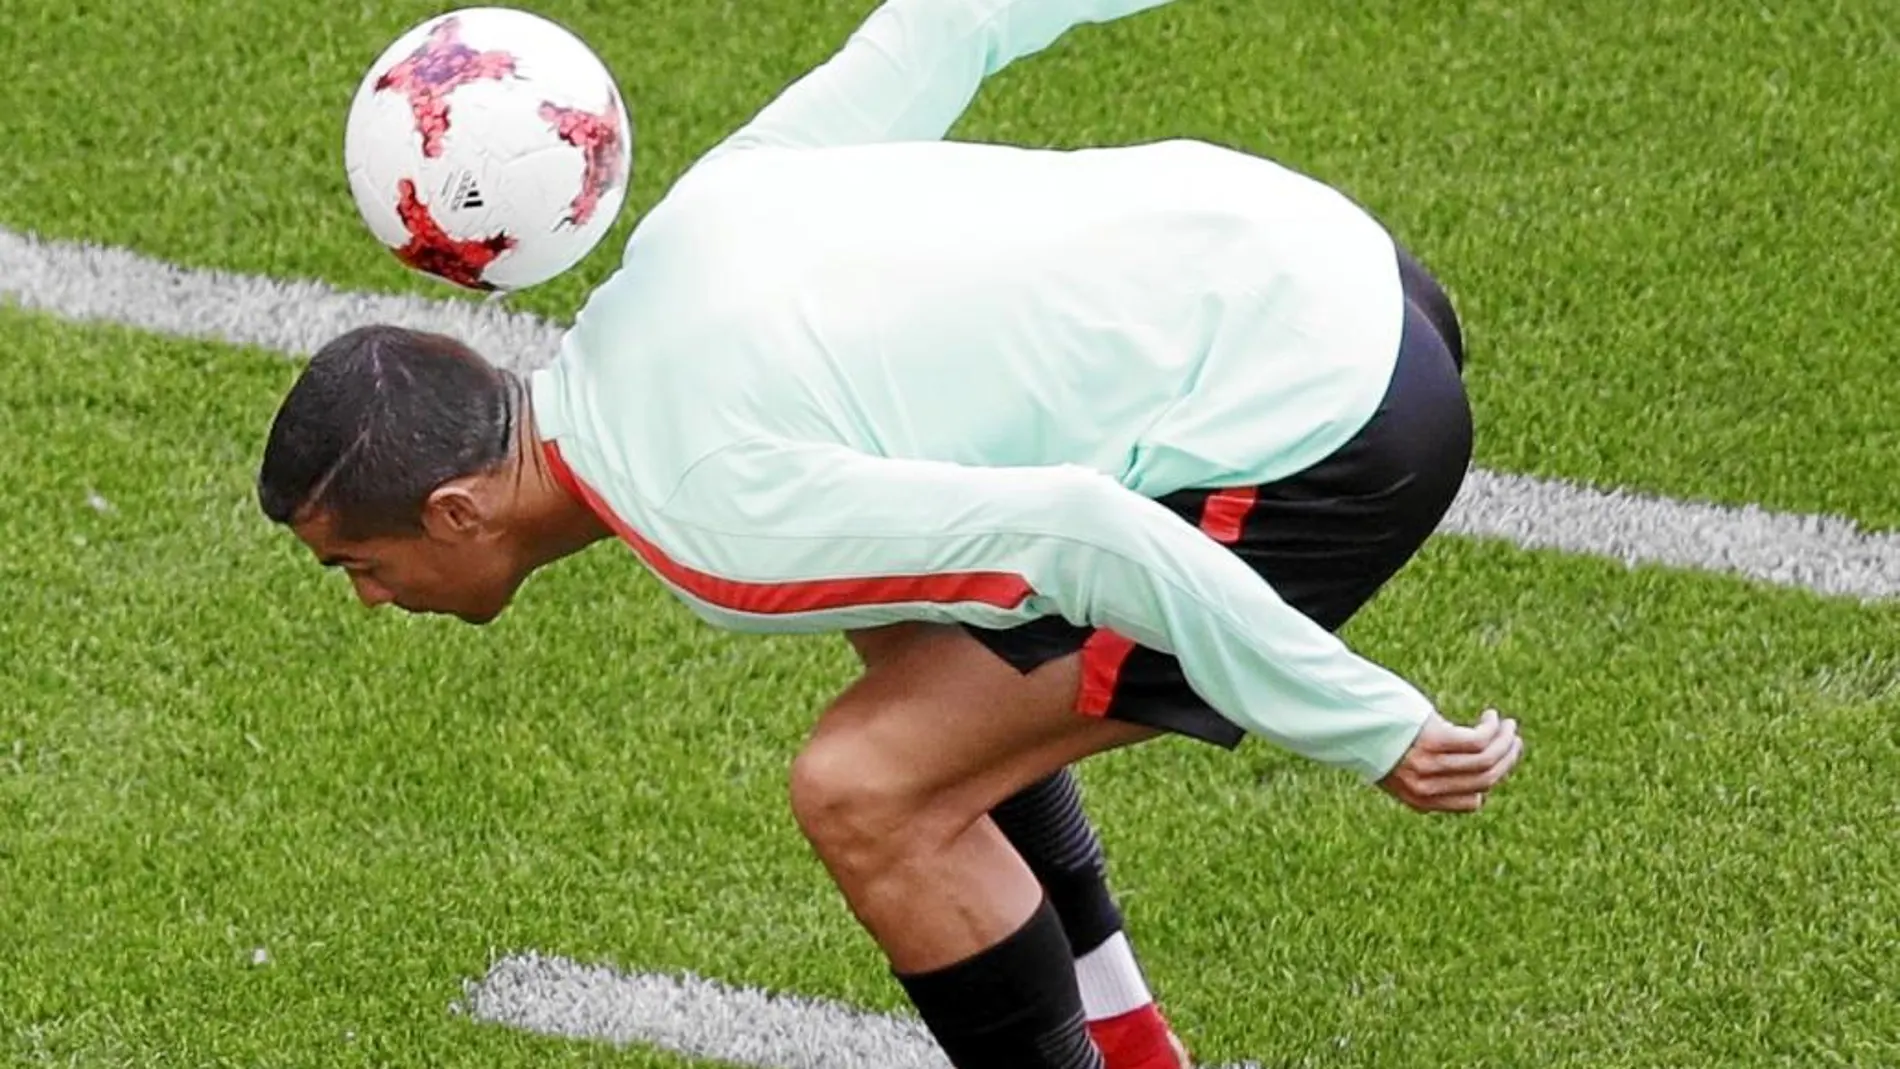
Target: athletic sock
{"x": 1013, "y": 1006}
{"x": 1046, "y": 824}
{"x": 1110, "y": 980}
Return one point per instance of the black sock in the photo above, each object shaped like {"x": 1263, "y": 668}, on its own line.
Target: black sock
{"x": 1046, "y": 825}
{"x": 1013, "y": 1006}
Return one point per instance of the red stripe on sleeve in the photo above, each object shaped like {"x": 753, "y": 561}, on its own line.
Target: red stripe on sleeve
{"x": 1003, "y": 590}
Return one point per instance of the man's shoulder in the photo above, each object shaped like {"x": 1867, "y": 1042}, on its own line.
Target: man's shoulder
{"x": 766, "y": 172}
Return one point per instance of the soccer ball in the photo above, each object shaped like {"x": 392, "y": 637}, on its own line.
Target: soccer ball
{"x": 488, "y": 147}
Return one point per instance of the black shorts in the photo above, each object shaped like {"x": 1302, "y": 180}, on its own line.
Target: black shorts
{"x": 1326, "y": 538}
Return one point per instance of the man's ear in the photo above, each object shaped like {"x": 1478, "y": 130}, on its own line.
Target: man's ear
{"x": 454, "y": 512}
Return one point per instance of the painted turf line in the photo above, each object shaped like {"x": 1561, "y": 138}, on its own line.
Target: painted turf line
{"x": 701, "y": 1018}
{"x": 551, "y": 996}
{"x": 83, "y": 282}
{"x": 692, "y": 1016}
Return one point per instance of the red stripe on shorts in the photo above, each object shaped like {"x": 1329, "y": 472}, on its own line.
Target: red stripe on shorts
{"x": 1102, "y": 658}
{"x": 1225, "y": 512}
{"x": 1223, "y": 515}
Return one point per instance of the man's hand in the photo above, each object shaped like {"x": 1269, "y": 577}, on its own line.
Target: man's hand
{"x": 1450, "y": 768}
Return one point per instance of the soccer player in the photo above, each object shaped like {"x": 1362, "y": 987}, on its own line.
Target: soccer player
{"x": 1078, "y": 448}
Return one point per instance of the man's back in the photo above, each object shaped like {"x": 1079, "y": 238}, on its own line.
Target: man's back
{"x": 852, "y": 375}
{"x": 1171, "y": 314}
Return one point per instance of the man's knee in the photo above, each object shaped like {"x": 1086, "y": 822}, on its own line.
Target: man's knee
{"x": 861, "y": 809}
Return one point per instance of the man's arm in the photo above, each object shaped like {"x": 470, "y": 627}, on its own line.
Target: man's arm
{"x": 810, "y": 537}
{"x": 912, "y": 68}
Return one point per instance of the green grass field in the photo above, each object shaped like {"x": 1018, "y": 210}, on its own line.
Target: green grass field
{"x": 1671, "y": 232}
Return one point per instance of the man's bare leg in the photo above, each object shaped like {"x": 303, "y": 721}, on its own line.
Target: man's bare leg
{"x": 893, "y": 791}
{"x": 1046, "y": 824}
{"x": 895, "y": 784}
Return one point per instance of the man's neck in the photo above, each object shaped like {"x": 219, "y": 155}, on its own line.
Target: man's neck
{"x": 553, "y": 523}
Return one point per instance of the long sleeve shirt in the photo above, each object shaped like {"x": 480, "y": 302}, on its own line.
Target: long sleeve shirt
{"x": 850, "y": 373}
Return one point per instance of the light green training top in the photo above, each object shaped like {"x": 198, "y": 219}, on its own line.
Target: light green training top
{"x": 851, "y": 373}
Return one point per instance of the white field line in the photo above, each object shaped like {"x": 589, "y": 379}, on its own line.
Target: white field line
{"x": 81, "y": 282}
{"x": 703, "y": 1018}
{"x": 700, "y": 1018}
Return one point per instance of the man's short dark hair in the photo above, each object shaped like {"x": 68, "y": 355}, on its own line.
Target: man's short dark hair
{"x": 380, "y": 418}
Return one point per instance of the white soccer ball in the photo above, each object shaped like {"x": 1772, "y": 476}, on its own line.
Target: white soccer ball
{"x": 488, "y": 147}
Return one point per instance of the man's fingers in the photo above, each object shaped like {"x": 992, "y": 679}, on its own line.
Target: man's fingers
{"x": 1452, "y": 769}
{"x": 1459, "y": 785}
{"x": 1452, "y": 763}
{"x": 1445, "y": 803}
{"x": 1446, "y": 737}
